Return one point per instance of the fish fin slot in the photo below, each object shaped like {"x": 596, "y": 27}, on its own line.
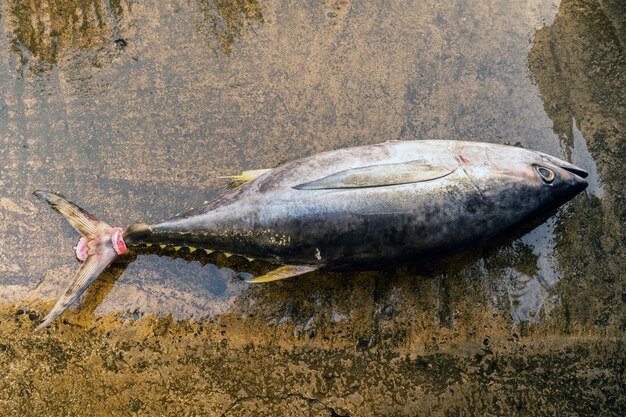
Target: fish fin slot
{"x": 380, "y": 175}
{"x": 284, "y": 272}
{"x": 103, "y": 256}
{"x": 247, "y": 175}
{"x": 86, "y": 224}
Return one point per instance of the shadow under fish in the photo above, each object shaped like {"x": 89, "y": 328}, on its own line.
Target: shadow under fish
{"x": 384, "y": 204}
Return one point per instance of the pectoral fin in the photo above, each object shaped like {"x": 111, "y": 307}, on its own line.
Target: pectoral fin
{"x": 380, "y": 175}
{"x": 284, "y": 272}
{"x": 247, "y": 175}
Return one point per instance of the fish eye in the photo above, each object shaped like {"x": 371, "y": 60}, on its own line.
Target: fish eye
{"x": 546, "y": 174}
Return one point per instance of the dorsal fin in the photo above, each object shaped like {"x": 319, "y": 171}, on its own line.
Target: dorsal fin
{"x": 247, "y": 175}
{"x": 379, "y": 175}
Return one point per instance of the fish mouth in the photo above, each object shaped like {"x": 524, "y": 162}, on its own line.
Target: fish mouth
{"x": 579, "y": 172}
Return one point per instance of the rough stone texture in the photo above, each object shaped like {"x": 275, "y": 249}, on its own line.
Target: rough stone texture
{"x": 134, "y": 108}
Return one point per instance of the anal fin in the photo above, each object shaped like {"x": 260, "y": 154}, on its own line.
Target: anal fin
{"x": 284, "y": 272}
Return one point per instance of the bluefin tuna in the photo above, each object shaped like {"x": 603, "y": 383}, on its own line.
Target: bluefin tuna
{"x": 394, "y": 202}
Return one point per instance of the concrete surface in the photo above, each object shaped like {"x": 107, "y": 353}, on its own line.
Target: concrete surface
{"x": 134, "y": 108}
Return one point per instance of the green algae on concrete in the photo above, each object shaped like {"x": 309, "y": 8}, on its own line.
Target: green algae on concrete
{"x": 160, "y": 367}
{"x": 43, "y": 31}
{"x": 583, "y": 88}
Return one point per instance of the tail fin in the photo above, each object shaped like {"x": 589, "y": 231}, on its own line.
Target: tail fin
{"x": 100, "y": 250}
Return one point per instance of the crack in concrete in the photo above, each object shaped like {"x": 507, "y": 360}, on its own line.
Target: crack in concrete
{"x": 240, "y": 400}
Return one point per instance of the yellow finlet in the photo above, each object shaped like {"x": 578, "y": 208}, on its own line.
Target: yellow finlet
{"x": 247, "y": 175}
{"x": 162, "y": 246}
{"x": 249, "y": 259}
{"x": 227, "y": 254}
{"x": 192, "y": 249}
{"x": 208, "y": 251}
{"x": 177, "y": 248}
{"x": 284, "y": 272}
{"x": 148, "y": 245}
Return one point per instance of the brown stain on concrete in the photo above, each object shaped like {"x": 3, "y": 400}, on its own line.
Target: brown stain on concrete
{"x": 228, "y": 19}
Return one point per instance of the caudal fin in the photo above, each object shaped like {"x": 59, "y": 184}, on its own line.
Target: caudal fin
{"x": 98, "y": 247}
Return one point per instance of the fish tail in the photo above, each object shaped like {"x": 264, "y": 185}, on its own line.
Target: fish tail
{"x": 100, "y": 244}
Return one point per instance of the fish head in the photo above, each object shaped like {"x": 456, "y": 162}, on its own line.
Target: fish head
{"x": 523, "y": 180}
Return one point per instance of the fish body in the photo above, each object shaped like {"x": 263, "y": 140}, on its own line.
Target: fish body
{"x": 376, "y": 204}
{"x": 469, "y": 193}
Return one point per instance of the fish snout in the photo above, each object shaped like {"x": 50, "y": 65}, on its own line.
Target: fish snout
{"x": 573, "y": 169}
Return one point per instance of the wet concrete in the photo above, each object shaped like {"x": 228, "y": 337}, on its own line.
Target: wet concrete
{"x": 133, "y": 109}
